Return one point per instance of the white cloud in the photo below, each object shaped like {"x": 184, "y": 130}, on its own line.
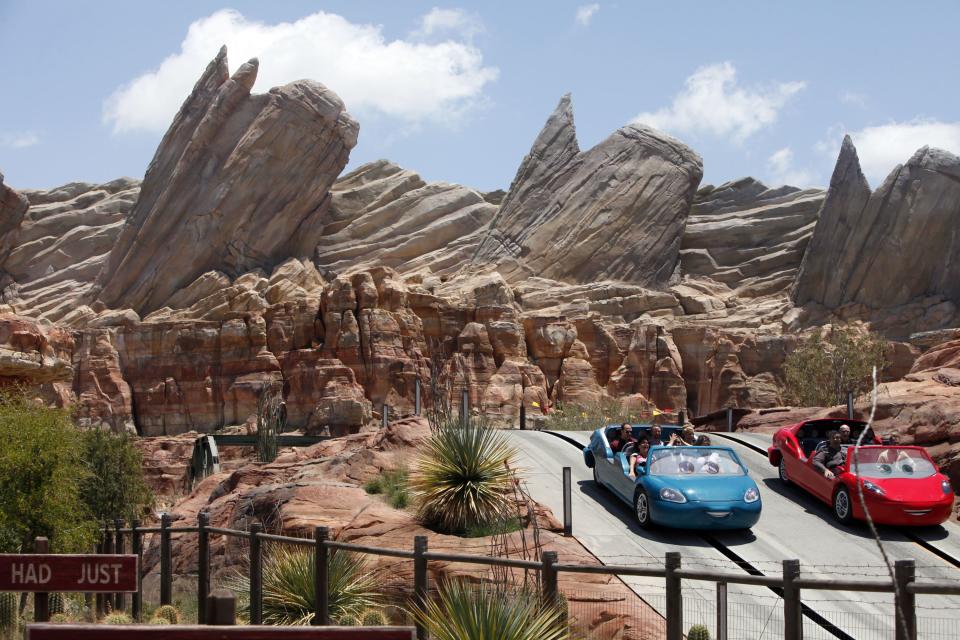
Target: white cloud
{"x": 782, "y": 171}
{"x": 19, "y": 140}
{"x": 586, "y": 12}
{"x": 853, "y": 98}
{"x": 445, "y": 21}
{"x": 882, "y": 147}
{"x": 712, "y": 103}
{"x": 404, "y": 79}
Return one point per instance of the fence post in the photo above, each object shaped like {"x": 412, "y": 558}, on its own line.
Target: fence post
{"x": 549, "y": 571}
{"x": 222, "y": 608}
{"x": 674, "y": 598}
{"x": 119, "y": 598}
{"x": 203, "y": 565}
{"x": 321, "y": 615}
{"x": 136, "y": 545}
{"x": 850, "y": 405}
{"x": 41, "y": 601}
{"x": 416, "y": 396}
{"x": 420, "y": 579}
{"x": 256, "y": 574}
{"x": 792, "y": 609}
{"x": 904, "y": 572}
{"x": 166, "y": 573}
{"x": 523, "y": 415}
{"x": 729, "y": 419}
{"x": 384, "y": 414}
{"x": 567, "y": 504}
{"x": 100, "y": 600}
{"x": 721, "y": 611}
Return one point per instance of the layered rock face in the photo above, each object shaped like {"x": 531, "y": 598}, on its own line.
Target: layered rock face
{"x": 61, "y": 244}
{"x": 239, "y": 182}
{"x": 888, "y": 247}
{"x": 616, "y": 211}
{"x": 749, "y": 237}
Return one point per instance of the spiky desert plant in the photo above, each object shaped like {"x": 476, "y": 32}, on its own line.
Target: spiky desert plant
{"x": 59, "y": 618}
{"x": 159, "y": 621}
{"x": 348, "y": 620}
{"x": 462, "y": 480}
{"x": 465, "y": 611}
{"x": 57, "y": 603}
{"x": 698, "y": 632}
{"x": 168, "y": 612}
{"x": 9, "y": 611}
{"x": 117, "y": 618}
{"x": 271, "y": 418}
{"x": 288, "y": 586}
{"x": 374, "y": 618}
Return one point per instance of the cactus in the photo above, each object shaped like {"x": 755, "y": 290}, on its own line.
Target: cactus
{"x": 374, "y": 618}
{"x": 271, "y": 419}
{"x": 698, "y": 632}
{"x": 348, "y": 620}
{"x": 169, "y": 613}
{"x": 57, "y": 603}
{"x": 159, "y": 621}
{"x": 9, "y": 611}
{"x": 117, "y": 618}
{"x": 59, "y": 618}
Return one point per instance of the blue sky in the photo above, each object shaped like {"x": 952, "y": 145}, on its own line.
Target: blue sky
{"x": 458, "y": 91}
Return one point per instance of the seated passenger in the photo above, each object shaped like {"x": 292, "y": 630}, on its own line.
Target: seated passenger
{"x": 845, "y": 434}
{"x": 828, "y": 460}
{"x": 686, "y": 438}
{"x": 656, "y": 436}
{"x": 623, "y": 438}
{"x": 703, "y": 441}
{"x": 640, "y": 457}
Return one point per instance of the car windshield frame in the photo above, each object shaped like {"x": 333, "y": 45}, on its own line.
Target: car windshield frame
{"x": 900, "y": 463}
{"x": 704, "y": 462}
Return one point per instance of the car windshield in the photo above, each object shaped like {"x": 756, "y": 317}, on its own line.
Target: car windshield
{"x": 699, "y": 461}
{"x": 891, "y": 462}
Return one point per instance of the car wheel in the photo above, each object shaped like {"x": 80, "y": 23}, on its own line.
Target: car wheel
{"x": 784, "y": 478}
{"x": 641, "y": 509}
{"x": 842, "y": 506}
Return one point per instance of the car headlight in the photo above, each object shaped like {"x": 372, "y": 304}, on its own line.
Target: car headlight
{"x": 752, "y": 495}
{"x": 672, "y": 495}
{"x": 869, "y": 486}
{"x": 945, "y": 485}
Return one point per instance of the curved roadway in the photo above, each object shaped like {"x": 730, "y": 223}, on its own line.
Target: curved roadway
{"x": 793, "y": 525}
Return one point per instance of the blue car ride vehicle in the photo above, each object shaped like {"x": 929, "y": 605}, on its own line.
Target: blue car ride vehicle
{"x": 684, "y": 487}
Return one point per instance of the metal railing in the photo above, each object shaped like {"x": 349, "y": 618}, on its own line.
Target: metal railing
{"x": 791, "y": 583}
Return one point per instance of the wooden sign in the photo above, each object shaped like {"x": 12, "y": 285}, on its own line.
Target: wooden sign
{"x": 59, "y": 573}
{"x": 193, "y": 632}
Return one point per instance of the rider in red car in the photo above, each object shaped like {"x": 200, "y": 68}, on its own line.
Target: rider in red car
{"x": 828, "y": 460}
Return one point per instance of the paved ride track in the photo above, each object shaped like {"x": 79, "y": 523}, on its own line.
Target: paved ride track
{"x": 793, "y": 525}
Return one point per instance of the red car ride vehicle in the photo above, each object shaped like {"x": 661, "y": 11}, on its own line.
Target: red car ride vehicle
{"x": 901, "y": 484}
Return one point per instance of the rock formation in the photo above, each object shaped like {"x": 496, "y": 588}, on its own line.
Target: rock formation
{"x": 616, "y": 211}
{"x": 239, "y": 182}
{"x": 888, "y": 247}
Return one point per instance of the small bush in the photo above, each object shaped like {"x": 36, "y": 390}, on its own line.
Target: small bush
{"x": 392, "y": 484}
{"x": 374, "y": 618}
{"x": 575, "y": 417}
{"x": 59, "y": 618}
{"x": 698, "y": 632}
{"x": 463, "y": 478}
{"x": 169, "y": 613}
{"x": 464, "y": 611}
{"x": 115, "y": 486}
{"x": 497, "y": 527}
{"x": 348, "y": 620}
{"x": 821, "y": 371}
{"x": 159, "y": 621}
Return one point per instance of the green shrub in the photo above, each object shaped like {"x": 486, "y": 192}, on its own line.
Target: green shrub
{"x": 462, "y": 479}
{"x": 115, "y": 486}
{"x": 117, "y": 618}
{"x": 392, "y": 483}
{"x": 590, "y": 416}
{"x": 497, "y": 527}
{"x": 168, "y": 612}
{"x": 288, "y": 586}
{"x": 698, "y": 632}
{"x": 348, "y": 620}
{"x": 464, "y": 611}
{"x": 159, "y": 621}
{"x": 42, "y": 469}
{"x": 821, "y": 371}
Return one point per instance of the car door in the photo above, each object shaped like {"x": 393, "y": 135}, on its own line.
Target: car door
{"x": 622, "y": 483}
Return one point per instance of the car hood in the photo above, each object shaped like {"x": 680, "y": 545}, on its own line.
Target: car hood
{"x": 911, "y": 489}
{"x": 707, "y": 489}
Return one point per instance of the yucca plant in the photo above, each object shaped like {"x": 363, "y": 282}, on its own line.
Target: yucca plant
{"x": 462, "y": 478}
{"x": 464, "y": 612}
{"x": 289, "y": 596}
